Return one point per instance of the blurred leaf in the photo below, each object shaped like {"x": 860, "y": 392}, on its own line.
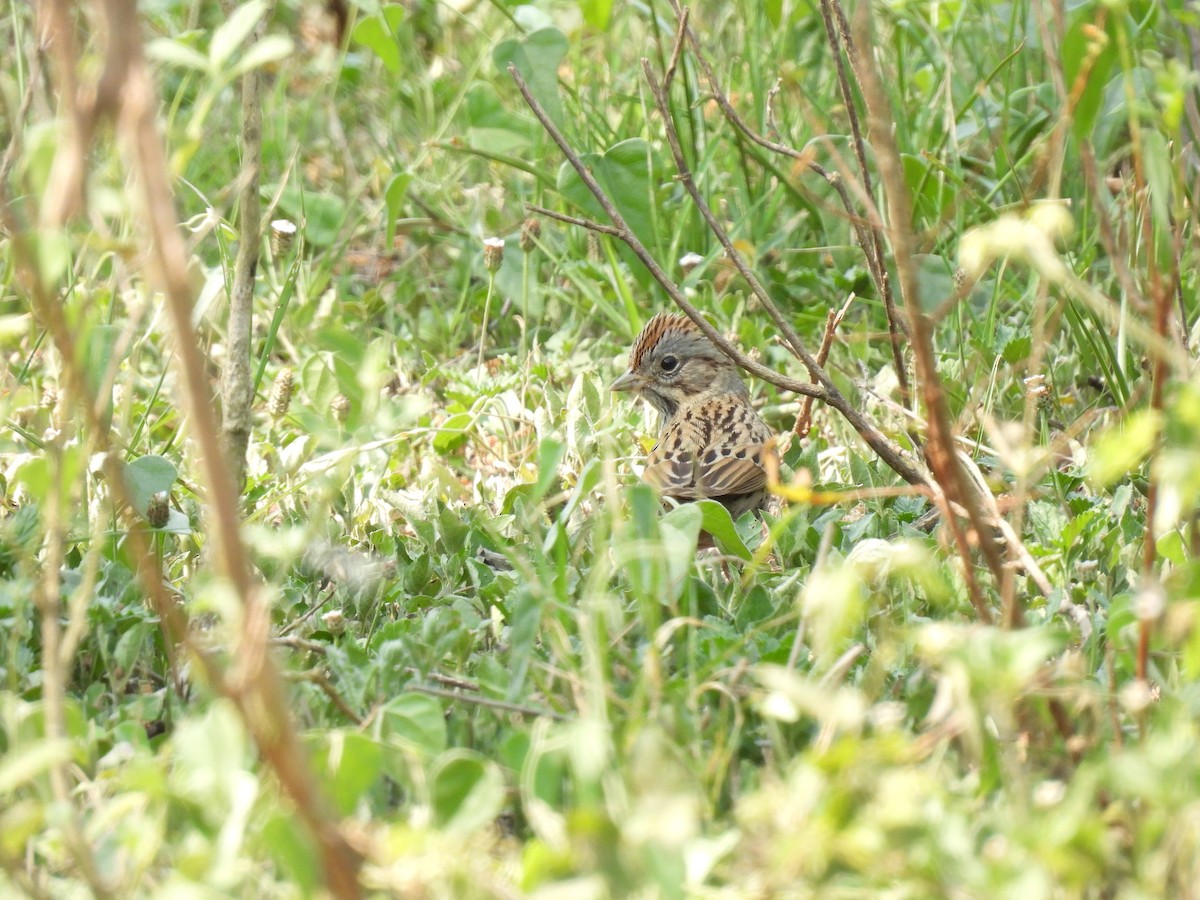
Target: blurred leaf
{"x": 177, "y": 53}
{"x": 351, "y": 763}
{"x": 288, "y": 842}
{"x": 231, "y": 33}
{"x": 537, "y": 56}
{"x": 625, "y": 172}
{"x": 393, "y": 196}
{"x": 1120, "y": 450}
{"x": 596, "y": 13}
{"x": 21, "y": 765}
{"x": 379, "y": 34}
{"x": 1087, "y": 63}
{"x": 466, "y": 791}
{"x": 147, "y": 476}
{"x": 272, "y": 48}
{"x": 414, "y": 721}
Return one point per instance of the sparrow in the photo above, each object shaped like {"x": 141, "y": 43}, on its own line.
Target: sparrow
{"x": 710, "y": 441}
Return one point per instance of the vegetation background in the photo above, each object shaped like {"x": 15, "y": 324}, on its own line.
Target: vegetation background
{"x": 436, "y": 640}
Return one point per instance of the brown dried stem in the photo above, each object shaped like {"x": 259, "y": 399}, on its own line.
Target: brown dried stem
{"x": 832, "y": 321}
{"x": 834, "y": 179}
{"x": 237, "y": 385}
{"x": 125, "y": 92}
{"x": 940, "y": 451}
{"x": 824, "y": 390}
{"x": 830, "y": 9}
{"x": 887, "y": 450}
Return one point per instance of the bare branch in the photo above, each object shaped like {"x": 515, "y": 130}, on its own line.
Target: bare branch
{"x": 574, "y": 220}
{"x": 237, "y": 387}
{"x": 885, "y": 448}
{"x": 625, "y": 234}
{"x": 943, "y": 461}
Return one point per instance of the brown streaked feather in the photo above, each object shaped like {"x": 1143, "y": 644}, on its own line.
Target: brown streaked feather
{"x": 711, "y": 439}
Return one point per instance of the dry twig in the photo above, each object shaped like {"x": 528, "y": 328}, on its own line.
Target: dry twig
{"x": 823, "y": 390}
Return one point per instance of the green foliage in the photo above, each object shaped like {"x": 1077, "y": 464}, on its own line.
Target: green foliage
{"x": 511, "y": 668}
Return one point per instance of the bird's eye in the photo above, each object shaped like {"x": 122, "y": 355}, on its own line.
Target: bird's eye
{"x": 669, "y": 364}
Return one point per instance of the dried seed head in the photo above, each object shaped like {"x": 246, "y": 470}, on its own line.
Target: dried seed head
{"x": 283, "y": 233}
{"x": 531, "y": 230}
{"x": 341, "y": 408}
{"x": 159, "y": 510}
{"x": 281, "y": 394}
{"x": 689, "y": 261}
{"x": 493, "y": 253}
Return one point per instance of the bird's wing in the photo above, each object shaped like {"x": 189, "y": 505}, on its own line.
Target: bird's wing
{"x": 732, "y": 469}
{"x": 727, "y": 463}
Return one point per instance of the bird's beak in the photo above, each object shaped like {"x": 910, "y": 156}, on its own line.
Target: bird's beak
{"x": 627, "y": 382}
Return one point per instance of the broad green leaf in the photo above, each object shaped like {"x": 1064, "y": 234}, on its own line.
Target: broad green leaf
{"x": 680, "y": 531}
{"x": 495, "y": 124}
{"x": 321, "y": 215}
{"x": 287, "y": 840}
{"x": 453, "y": 433}
{"x": 378, "y": 33}
{"x": 626, "y": 174}
{"x": 147, "y": 476}
{"x": 466, "y": 791}
{"x": 718, "y": 523}
{"x": 350, "y": 763}
{"x": 413, "y": 721}
{"x": 537, "y": 56}
{"x": 596, "y": 13}
{"x": 1117, "y": 452}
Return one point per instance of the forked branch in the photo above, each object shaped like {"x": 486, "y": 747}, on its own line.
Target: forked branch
{"x": 824, "y": 389}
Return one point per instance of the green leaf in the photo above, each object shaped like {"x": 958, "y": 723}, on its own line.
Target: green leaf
{"x": 453, "y": 433}
{"x": 719, "y": 524}
{"x": 537, "y": 56}
{"x": 321, "y": 215}
{"x": 286, "y": 839}
{"x": 147, "y": 476}
{"x": 1017, "y": 349}
{"x": 413, "y": 721}
{"x": 1117, "y": 452}
{"x": 1156, "y": 156}
{"x": 596, "y": 13}
{"x": 98, "y": 363}
{"x": 466, "y": 791}
{"x": 379, "y": 34}
{"x": 393, "y": 196}
{"x": 233, "y": 32}
{"x": 496, "y": 125}
{"x": 1083, "y": 58}
{"x": 680, "y": 531}
{"x": 626, "y": 173}
{"x": 351, "y": 763}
